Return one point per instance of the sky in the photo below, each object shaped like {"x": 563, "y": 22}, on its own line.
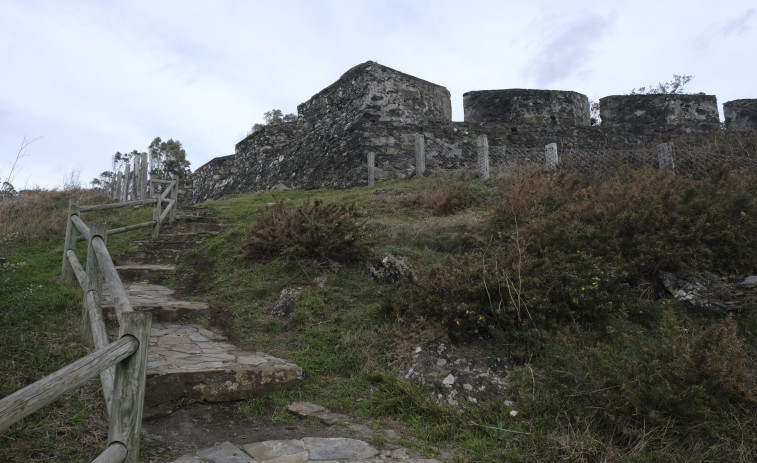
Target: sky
{"x": 81, "y": 80}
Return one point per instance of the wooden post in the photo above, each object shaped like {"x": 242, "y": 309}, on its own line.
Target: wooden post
{"x": 371, "y": 168}
{"x": 127, "y": 178}
{"x": 143, "y": 174}
{"x": 550, "y": 157}
{"x": 137, "y": 177}
{"x": 483, "y": 156}
{"x": 67, "y": 272}
{"x": 175, "y": 198}
{"x": 129, "y": 386}
{"x": 420, "y": 155}
{"x": 94, "y": 281}
{"x": 665, "y": 158}
{"x": 155, "y": 212}
{"x": 119, "y": 181}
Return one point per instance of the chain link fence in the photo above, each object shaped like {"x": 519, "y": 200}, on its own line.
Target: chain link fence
{"x": 597, "y": 164}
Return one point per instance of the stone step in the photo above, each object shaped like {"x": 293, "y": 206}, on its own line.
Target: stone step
{"x": 152, "y": 273}
{"x": 158, "y": 300}
{"x": 153, "y": 256}
{"x": 192, "y": 363}
{"x": 180, "y": 241}
{"x": 192, "y": 227}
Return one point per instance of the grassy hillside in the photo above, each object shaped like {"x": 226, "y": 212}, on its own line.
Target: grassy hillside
{"x": 558, "y": 275}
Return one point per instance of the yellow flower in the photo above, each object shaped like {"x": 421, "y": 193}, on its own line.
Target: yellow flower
{"x": 583, "y": 289}
{"x": 457, "y": 321}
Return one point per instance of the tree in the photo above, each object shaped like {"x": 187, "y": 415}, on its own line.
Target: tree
{"x": 274, "y": 117}
{"x": 677, "y": 85}
{"x": 6, "y": 188}
{"x": 168, "y": 158}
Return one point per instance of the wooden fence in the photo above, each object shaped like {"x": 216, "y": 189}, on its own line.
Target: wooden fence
{"x": 121, "y": 364}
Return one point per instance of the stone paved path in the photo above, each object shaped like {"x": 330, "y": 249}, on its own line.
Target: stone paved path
{"x": 189, "y": 362}
{"x": 307, "y": 450}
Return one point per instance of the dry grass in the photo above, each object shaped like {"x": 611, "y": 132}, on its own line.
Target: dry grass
{"x": 36, "y": 215}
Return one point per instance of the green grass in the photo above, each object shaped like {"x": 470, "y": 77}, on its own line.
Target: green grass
{"x": 39, "y": 325}
{"x": 559, "y": 274}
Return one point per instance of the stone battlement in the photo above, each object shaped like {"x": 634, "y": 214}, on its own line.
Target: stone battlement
{"x": 375, "y": 112}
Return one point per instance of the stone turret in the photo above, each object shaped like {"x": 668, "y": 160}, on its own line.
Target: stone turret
{"x": 740, "y": 114}
{"x": 527, "y": 107}
{"x": 375, "y": 92}
{"x": 657, "y": 113}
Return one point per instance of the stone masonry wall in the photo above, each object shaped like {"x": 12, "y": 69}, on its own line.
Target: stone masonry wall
{"x": 527, "y": 107}
{"x": 378, "y": 111}
{"x": 740, "y": 114}
{"x": 660, "y": 113}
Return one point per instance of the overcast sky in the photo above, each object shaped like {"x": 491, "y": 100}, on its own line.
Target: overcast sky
{"x": 95, "y": 77}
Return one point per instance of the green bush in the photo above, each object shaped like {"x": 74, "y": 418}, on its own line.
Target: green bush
{"x": 313, "y": 230}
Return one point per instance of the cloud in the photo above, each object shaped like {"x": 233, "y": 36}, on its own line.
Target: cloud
{"x": 568, "y": 51}
{"x": 734, "y": 27}
{"x": 738, "y": 26}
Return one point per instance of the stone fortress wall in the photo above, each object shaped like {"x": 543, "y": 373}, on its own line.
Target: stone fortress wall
{"x": 375, "y": 112}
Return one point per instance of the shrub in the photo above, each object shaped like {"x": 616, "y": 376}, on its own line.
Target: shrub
{"x": 444, "y": 198}
{"x": 313, "y": 230}
{"x": 669, "y": 376}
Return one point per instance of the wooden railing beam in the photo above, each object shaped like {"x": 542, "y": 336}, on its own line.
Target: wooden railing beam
{"x": 115, "y": 453}
{"x": 112, "y": 280}
{"x": 81, "y": 226}
{"x": 28, "y": 400}
{"x": 103, "y": 207}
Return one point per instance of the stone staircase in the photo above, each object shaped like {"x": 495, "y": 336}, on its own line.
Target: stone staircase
{"x": 189, "y": 362}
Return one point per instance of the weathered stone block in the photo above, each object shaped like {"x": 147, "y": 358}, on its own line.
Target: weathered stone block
{"x": 660, "y": 113}
{"x": 740, "y": 114}
{"x": 527, "y": 107}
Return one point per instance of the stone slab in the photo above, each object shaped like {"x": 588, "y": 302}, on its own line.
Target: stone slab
{"x": 225, "y": 453}
{"x": 336, "y": 448}
{"x": 194, "y": 363}
{"x": 158, "y": 300}
{"x": 153, "y": 273}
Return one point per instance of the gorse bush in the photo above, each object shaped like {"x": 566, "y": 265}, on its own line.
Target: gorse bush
{"x": 313, "y": 230}
{"x": 563, "y": 251}
{"x": 442, "y": 198}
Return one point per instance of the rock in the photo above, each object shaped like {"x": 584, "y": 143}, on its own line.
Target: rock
{"x": 336, "y": 448}
{"x": 284, "y": 307}
{"x": 306, "y": 409}
{"x": 390, "y": 269}
{"x": 451, "y": 378}
{"x": 707, "y": 291}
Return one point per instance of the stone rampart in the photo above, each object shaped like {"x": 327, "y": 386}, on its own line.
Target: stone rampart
{"x": 660, "y": 113}
{"x": 527, "y": 107}
{"x": 740, "y": 114}
{"x": 377, "y": 113}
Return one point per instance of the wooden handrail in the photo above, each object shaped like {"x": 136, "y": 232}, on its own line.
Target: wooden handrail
{"x": 102, "y": 207}
{"x": 115, "y": 453}
{"x": 81, "y": 276}
{"x": 122, "y": 364}
{"x": 28, "y": 400}
{"x": 120, "y": 298}
{"x": 81, "y": 226}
